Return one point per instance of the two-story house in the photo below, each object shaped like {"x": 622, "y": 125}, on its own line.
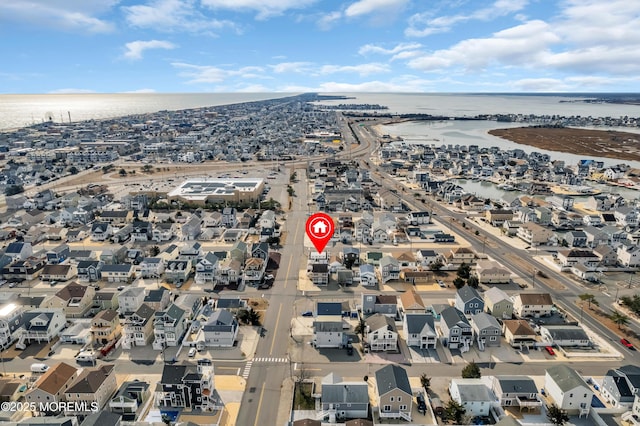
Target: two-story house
{"x": 486, "y": 329}
{"x": 469, "y": 301}
{"x": 130, "y": 300}
{"x": 455, "y": 329}
{"x": 206, "y": 269}
{"x": 74, "y": 299}
{"x": 516, "y": 391}
{"x": 169, "y": 326}
{"x": 382, "y": 334}
{"x": 621, "y": 385}
{"x": 220, "y": 329}
{"x": 568, "y": 390}
{"x": 92, "y": 389}
{"x": 51, "y": 386}
{"x": 532, "y": 304}
{"x": 420, "y": 330}
{"x": 187, "y": 386}
{"x": 498, "y": 303}
{"x": 393, "y": 392}
{"x": 138, "y": 327}
{"x": 342, "y": 399}
{"x": 105, "y": 327}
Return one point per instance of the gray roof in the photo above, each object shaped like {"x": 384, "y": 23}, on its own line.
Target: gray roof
{"x": 474, "y": 390}
{"x": 516, "y": 384}
{"x": 495, "y": 294}
{"x": 468, "y": 293}
{"x": 566, "y": 377}
{"x": 337, "y": 391}
{"x": 452, "y": 316}
{"x": 566, "y": 332}
{"x": 417, "y": 322}
{"x": 327, "y": 326}
{"x": 483, "y": 320}
{"x": 155, "y": 295}
{"x": 391, "y": 377}
{"x": 117, "y": 268}
{"x": 102, "y": 418}
{"x": 378, "y": 321}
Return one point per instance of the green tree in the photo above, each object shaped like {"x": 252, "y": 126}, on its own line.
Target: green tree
{"x": 154, "y": 251}
{"x": 464, "y": 270}
{"x": 556, "y": 416}
{"x": 436, "y": 266}
{"x": 122, "y": 172}
{"x": 254, "y": 317}
{"x": 633, "y": 303}
{"x": 454, "y": 412}
{"x": 473, "y": 281}
{"x": 425, "y": 382}
{"x": 590, "y": 299}
{"x": 361, "y": 329}
{"x": 619, "y": 318}
{"x": 73, "y": 170}
{"x": 291, "y": 191}
{"x": 471, "y": 371}
{"x": 293, "y": 177}
{"x": 458, "y": 282}
{"x": 147, "y": 168}
{"x": 243, "y": 316}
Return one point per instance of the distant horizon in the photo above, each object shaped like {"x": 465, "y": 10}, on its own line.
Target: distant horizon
{"x": 332, "y": 93}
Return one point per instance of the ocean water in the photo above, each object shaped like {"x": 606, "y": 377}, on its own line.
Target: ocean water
{"x": 22, "y": 110}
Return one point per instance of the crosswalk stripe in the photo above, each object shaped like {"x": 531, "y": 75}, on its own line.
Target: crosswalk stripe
{"x": 270, "y": 359}
{"x": 247, "y": 370}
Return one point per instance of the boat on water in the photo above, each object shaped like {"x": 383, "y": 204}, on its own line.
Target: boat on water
{"x": 506, "y": 187}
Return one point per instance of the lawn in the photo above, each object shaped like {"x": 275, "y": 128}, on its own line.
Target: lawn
{"x": 302, "y": 399}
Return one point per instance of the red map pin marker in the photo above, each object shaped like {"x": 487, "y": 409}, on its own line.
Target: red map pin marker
{"x": 320, "y": 230}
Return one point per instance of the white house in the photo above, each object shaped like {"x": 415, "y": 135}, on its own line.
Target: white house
{"x": 474, "y": 396}
{"x": 568, "y": 389}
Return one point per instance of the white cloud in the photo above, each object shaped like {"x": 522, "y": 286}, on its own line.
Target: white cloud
{"x": 521, "y": 45}
{"x": 61, "y": 14}
{"x": 174, "y": 15}
{"x": 213, "y": 74}
{"x": 372, "y": 48}
{"x": 424, "y": 24}
{"x": 366, "y": 7}
{"x": 141, "y": 91}
{"x": 328, "y": 20}
{"x": 264, "y": 8}
{"x": 399, "y": 85}
{"x": 538, "y": 85}
{"x": 71, "y": 91}
{"x": 362, "y": 69}
{"x": 135, "y": 49}
{"x": 292, "y": 67}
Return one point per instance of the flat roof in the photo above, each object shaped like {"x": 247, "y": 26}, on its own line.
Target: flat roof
{"x": 201, "y": 188}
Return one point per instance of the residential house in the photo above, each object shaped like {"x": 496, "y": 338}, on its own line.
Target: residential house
{"x": 105, "y": 327}
{"x": 393, "y": 391}
{"x": 51, "y": 386}
{"x": 113, "y": 257}
{"x": 41, "y": 325}
{"x": 621, "y": 385}
{"x": 318, "y": 273}
{"x": 343, "y": 400}
{"x": 152, "y": 267}
{"x": 532, "y": 304}
{"x": 55, "y": 272}
{"x": 220, "y": 329}
{"x": 497, "y": 217}
{"x": 606, "y": 255}
{"x": 260, "y": 251}
{"x": 58, "y": 254}
{"x": 254, "y": 270}
{"x": 474, "y": 396}
{"x": 92, "y": 389}
{"x": 367, "y": 275}
{"x": 328, "y": 330}
{"x": 10, "y": 319}
{"x": 192, "y": 228}
{"x": 169, "y": 326}
{"x": 187, "y": 386}
{"x": 491, "y": 272}
{"x": 419, "y": 218}
{"x": 142, "y": 231}
{"x": 411, "y": 302}
{"x": 564, "y": 335}
{"x": 469, "y": 301}
{"x": 486, "y": 329}
{"x": 420, "y": 330}
{"x": 101, "y": 231}
{"x": 455, "y": 329}
{"x": 426, "y": 257}
{"x": 158, "y": 299}
{"x": 629, "y": 255}
{"x": 18, "y": 250}
{"x": 74, "y": 299}
{"x": 130, "y": 300}
{"x": 498, "y": 303}
{"x": 177, "y": 271}
{"x": 459, "y": 255}
{"x": 519, "y": 334}
{"x": 138, "y": 327}
{"x": 118, "y": 273}
{"x": 573, "y": 257}
{"x": 129, "y": 399}
{"x": 382, "y": 334}
{"x": 389, "y": 269}
{"x": 576, "y": 239}
{"x": 516, "y": 391}
{"x": 535, "y": 235}
{"x": 381, "y": 304}
{"x": 229, "y": 217}
{"x": 89, "y": 271}
{"x": 104, "y": 300}
{"x": 206, "y": 269}
{"x": 568, "y": 390}
{"x": 228, "y": 272}
{"x": 626, "y": 216}
{"x": 163, "y": 231}
{"x": 117, "y": 217}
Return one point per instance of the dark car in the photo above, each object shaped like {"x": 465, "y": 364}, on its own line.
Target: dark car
{"x": 307, "y": 314}
{"x": 626, "y": 343}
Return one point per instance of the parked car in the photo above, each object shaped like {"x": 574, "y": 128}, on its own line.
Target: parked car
{"x": 626, "y": 343}
{"x": 550, "y": 350}
{"x": 192, "y": 352}
{"x": 441, "y": 283}
{"x": 307, "y": 314}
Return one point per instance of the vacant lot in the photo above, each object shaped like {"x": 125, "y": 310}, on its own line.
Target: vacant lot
{"x": 592, "y": 143}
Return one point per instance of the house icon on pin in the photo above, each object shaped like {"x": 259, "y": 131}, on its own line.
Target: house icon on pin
{"x": 320, "y": 227}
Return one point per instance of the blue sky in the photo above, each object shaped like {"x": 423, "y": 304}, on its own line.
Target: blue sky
{"x": 109, "y": 46}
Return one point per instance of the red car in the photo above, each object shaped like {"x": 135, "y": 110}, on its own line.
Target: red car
{"x": 549, "y": 349}
{"x": 626, "y": 343}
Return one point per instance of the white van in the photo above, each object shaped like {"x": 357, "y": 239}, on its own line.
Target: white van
{"x": 39, "y": 368}
{"x": 86, "y": 356}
